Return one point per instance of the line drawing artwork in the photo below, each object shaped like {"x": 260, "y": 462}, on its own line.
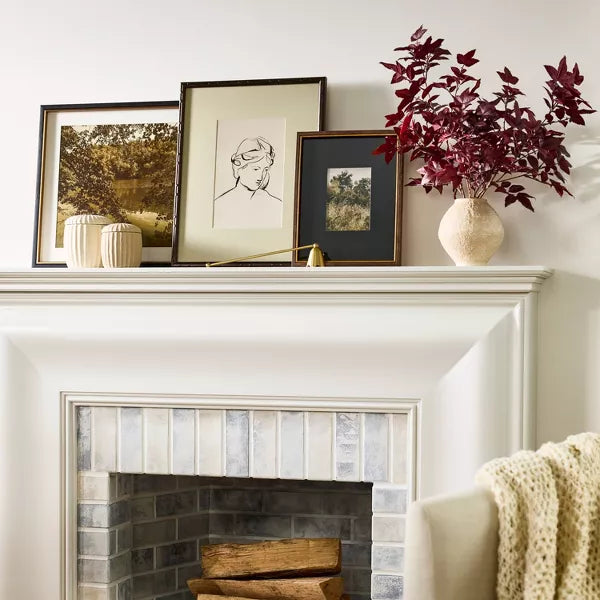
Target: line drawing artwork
{"x": 249, "y": 201}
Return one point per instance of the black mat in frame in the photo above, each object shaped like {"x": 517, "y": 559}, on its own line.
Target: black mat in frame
{"x": 318, "y": 154}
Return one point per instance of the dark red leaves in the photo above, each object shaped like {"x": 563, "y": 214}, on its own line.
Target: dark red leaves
{"x": 472, "y": 143}
{"x": 508, "y": 77}
{"x": 388, "y": 148}
{"x": 564, "y": 164}
{"x": 552, "y": 72}
{"x": 467, "y": 59}
{"x": 436, "y": 174}
{"x": 525, "y": 200}
{"x": 418, "y": 34}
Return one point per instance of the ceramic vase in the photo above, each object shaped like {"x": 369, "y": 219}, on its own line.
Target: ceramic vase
{"x": 121, "y": 246}
{"x": 82, "y": 240}
{"x": 471, "y": 231}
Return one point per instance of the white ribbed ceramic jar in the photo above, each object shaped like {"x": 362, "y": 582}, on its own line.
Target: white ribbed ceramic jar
{"x": 121, "y": 246}
{"x": 82, "y": 240}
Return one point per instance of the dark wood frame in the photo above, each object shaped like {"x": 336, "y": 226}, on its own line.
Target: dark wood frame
{"x": 297, "y": 261}
{"x": 45, "y": 109}
{"x": 185, "y": 86}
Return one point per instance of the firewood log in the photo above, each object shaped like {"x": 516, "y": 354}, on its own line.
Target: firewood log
{"x": 305, "y": 588}
{"x": 213, "y": 597}
{"x": 292, "y": 557}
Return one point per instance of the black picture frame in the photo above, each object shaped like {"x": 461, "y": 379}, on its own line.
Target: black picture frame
{"x": 203, "y": 107}
{"x": 46, "y": 252}
{"x": 376, "y": 241}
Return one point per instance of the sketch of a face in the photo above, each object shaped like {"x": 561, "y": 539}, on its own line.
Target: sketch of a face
{"x": 249, "y": 204}
{"x": 255, "y": 175}
{"x": 251, "y": 163}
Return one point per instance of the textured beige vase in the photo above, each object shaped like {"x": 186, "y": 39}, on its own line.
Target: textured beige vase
{"x": 121, "y": 246}
{"x": 82, "y": 240}
{"x": 471, "y": 231}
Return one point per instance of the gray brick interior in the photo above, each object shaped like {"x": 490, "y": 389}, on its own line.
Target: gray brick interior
{"x": 168, "y": 518}
{"x": 173, "y": 516}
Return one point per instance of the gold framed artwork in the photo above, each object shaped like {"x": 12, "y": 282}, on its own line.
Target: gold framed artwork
{"x": 116, "y": 160}
{"x": 347, "y": 199}
{"x": 236, "y": 162}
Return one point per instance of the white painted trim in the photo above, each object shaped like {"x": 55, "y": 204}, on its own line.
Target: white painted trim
{"x": 68, "y": 499}
{"x": 517, "y": 279}
{"x": 70, "y": 402}
{"x": 281, "y": 403}
{"x": 529, "y": 365}
{"x": 413, "y": 456}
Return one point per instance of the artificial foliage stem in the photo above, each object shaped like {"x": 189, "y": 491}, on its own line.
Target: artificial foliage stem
{"x": 474, "y": 144}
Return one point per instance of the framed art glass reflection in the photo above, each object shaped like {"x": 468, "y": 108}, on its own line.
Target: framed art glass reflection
{"x": 236, "y": 165}
{"x": 348, "y": 200}
{"x": 115, "y": 160}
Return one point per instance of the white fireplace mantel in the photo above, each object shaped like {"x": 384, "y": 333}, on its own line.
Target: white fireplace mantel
{"x": 520, "y": 279}
{"x": 453, "y": 347}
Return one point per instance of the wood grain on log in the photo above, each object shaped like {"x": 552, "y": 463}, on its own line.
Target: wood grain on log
{"x": 217, "y": 597}
{"x": 305, "y": 588}
{"x": 292, "y": 557}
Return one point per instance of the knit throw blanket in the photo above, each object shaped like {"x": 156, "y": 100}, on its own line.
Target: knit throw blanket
{"x": 549, "y": 520}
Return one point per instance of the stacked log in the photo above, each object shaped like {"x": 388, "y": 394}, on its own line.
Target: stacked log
{"x": 292, "y": 569}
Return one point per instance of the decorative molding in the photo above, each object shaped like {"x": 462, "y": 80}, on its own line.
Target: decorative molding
{"x": 393, "y": 423}
{"x": 233, "y": 402}
{"x": 282, "y": 280}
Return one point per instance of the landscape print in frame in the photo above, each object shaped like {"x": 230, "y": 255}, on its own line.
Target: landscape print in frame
{"x": 347, "y": 199}
{"x": 116, "y": 160}
{"x": 236, "y": 164}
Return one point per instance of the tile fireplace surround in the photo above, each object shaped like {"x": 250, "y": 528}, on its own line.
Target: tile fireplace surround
{"x": 409, "y": 378}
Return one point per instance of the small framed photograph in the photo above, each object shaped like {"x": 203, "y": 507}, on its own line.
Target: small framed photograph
{"x": 236, "y": 163}
{"x": 116, "y": 160}
{"x": 347, "y": 200}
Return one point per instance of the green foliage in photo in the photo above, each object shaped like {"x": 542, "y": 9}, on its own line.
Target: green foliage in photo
{"x": 348, "y": 202}
{"x": 125, "y": 172}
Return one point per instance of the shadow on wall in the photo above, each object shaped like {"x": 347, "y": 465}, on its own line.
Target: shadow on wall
{"x": 585, "y": 176}
{"x": 365, "y": 107}
{"x": 569, "y": 356}
{"x": 358, "y": 106}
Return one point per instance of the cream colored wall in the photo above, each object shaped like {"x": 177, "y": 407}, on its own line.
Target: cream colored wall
{"x": 69, "y": 51}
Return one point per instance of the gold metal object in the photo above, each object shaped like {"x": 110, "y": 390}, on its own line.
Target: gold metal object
{"x": 315, "y": 258}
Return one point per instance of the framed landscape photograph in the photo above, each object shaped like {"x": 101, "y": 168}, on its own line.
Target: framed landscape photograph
{"x": 347, "y": 200}
{"x": 236, "y": 162}
{"x": 116, "y": 160}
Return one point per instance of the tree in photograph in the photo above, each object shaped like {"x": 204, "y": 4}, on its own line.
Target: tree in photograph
{"x": 348, "y": 203}
{"x": 86, "y": 175}
{"x": 125, "y": 172}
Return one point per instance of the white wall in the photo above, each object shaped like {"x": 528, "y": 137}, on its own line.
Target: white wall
{"x": 68, "y": 51}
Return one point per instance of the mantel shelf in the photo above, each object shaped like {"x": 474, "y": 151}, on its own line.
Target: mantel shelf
{"x": 517, "y": 279}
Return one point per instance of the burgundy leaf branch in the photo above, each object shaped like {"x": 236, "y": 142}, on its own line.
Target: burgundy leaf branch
{"x": 474, "y": 144}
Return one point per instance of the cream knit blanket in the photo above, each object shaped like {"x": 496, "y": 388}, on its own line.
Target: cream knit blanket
{"x": 549, "y": 520}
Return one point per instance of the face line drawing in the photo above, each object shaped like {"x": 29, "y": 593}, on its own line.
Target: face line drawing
{"x": 250, "y": 182}
{"x": 249, "y": 204}
{"x": 253, "y": 155}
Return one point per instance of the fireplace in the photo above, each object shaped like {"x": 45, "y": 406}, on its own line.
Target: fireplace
{"x": 447, "y": 352}
{"x": 213, "y": 476}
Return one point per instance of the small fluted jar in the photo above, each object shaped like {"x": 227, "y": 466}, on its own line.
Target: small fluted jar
{"x": 121, "y": 246}
{"x": 82, "y": 240}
